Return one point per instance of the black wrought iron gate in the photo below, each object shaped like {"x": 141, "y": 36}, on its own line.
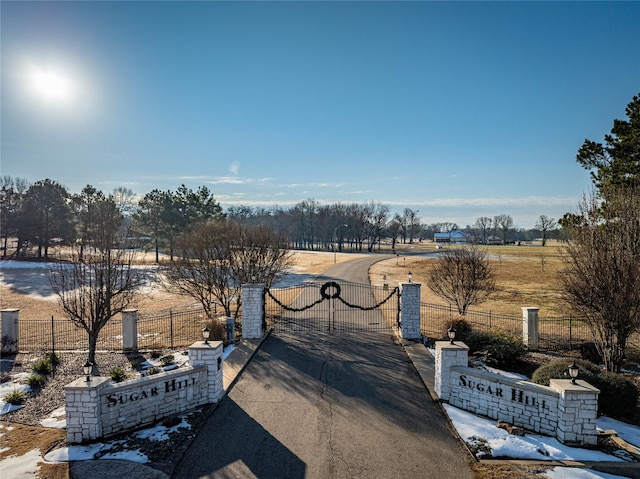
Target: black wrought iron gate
{"x": 332, "y": 306}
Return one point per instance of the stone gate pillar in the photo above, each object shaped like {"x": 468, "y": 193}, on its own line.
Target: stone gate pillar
{"x": 130, "y": 330}
{"x": 10, "y": 330}
{"x": 448, "y": 356}
{"x": 209, "y": 354}
{"x": 530, "y": 327}
{"x": 252, "y": 311}
{"x": 410, "y": 310}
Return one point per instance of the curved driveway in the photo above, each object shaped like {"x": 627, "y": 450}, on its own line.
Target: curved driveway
{"x": 327, "y": 405}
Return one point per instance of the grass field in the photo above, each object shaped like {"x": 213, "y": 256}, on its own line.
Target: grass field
{"x": 525, "y": 276}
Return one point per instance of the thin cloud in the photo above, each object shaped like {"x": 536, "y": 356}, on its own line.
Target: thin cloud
{"x": 234, "y": 168}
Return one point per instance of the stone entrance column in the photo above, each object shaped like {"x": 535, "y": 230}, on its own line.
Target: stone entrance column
{"x": 410, "y": 310}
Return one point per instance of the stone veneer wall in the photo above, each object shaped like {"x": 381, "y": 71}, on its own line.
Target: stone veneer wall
{"x": 563, "y": 409}
{"x": 518, "y": 402}
{"x": 101, "y": 408}
{"x": 252, "y": 311}
{"x": 410, "y": 310}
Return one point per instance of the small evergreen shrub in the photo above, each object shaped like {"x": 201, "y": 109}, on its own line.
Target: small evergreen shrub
{"x": 118, "y": 374}
{"x": 42, "y": 367}
{"x": 618, "y": 395}
{"x": 36, "y": 380}
{"x": 155, "y": 354}
{"x": 496, "y": 348}
{"x": 559, "y": 369}
{"x": 462, "y": 327}
{"x": 167, "y": 360}
{"x": 53, "y": 359}
{"x": 16, "y": 398}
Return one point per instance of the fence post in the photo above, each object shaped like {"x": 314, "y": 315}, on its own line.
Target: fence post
{"x": 130, "y": 330}
{"x": 410, "y": 310}
{"x": 530, "y": 327}
{"x": 10, "y": 330}
{"x": 252, "y": 311}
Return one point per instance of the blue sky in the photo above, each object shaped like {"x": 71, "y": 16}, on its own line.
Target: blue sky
{"x": 456, "y": 109}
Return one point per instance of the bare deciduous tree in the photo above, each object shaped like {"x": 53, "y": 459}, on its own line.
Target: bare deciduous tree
{"x": 218, "y": 257}
{"x": 545, "y": 224}
{"x": 94, "y": 290}
{"x": 100, "y": 280}
{"x": 464, "y": 277}
{"x": 601, "y": 278}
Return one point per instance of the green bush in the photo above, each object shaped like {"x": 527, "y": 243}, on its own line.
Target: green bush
{"x": 167, "y": 360}
{"x": 462, "y": 327}
{"x": 618, "y": 395}
{"x": 118, "y": 374}
{"x": 53, "y": 359}
{"x": 42, "y": 367}
{"x": 496, "y": 348}
{"x": 16, "y": 398}
{"x": 36, "y": 380}
{"x": 559, "y": 369}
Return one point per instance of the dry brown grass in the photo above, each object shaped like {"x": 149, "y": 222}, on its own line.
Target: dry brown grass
{"x": 525, "y": 276}
{"x": 17, "y": 440}
{"x": 35, "y": 306}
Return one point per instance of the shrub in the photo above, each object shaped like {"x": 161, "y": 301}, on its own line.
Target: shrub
{"x": 152, "y": 371}
{"x": 589, "y": 352}
{"x": 218, "y": 330}
{"x": 462, "y": 327}
{"x": 618, "y": 395}
{"x": 155, "y": 354}
{"x": 16, "y": 398}
{"x": 36, "y": 380}
{"x": 167, "y": 360}
{"x": 559, "y": 369}
{"x": 42, "y": 367}
{"x": 53, "y": 359}
{"x": 496, "y": 348}
{"x": 118, "y": 374}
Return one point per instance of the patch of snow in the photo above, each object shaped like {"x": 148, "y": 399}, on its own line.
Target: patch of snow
{"x": 57, "y": 419}
{"x": 20, "y": 467}
{"x": 160, "y": 432}
{"x": 629, "y": 433}
{"x": 576, "y": 473}
{"x": 531, "y": 446}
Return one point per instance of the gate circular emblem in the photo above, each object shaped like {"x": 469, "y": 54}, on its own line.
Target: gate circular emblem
{"x": 326, "y": 286}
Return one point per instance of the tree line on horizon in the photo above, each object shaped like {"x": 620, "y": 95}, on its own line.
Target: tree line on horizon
{"x": 39, "y": 215}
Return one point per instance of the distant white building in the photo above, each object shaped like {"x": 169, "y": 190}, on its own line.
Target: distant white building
{"x": 454, "y": 236}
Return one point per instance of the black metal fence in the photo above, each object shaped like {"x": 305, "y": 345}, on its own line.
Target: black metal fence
{"x": 553, "y": 333}
{"x": 169, "y": 329}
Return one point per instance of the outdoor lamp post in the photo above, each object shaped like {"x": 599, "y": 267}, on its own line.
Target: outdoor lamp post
{"x": 205, "y": 334}
{"x": 409, "y": 276}
{"x": 87, "y": 370}
{"x": 335, "y": 239}
{"x": 573, "y": 371}
{"x": 451, "y": 332}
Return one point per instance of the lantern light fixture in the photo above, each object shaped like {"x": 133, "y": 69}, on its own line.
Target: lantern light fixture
{"x": 451, "y": 332}
{"x": 573, "y": 371}
{"x": 206, "y": 332}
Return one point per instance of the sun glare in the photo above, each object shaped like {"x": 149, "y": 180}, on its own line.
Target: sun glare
{"x": 51, "y": 86}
